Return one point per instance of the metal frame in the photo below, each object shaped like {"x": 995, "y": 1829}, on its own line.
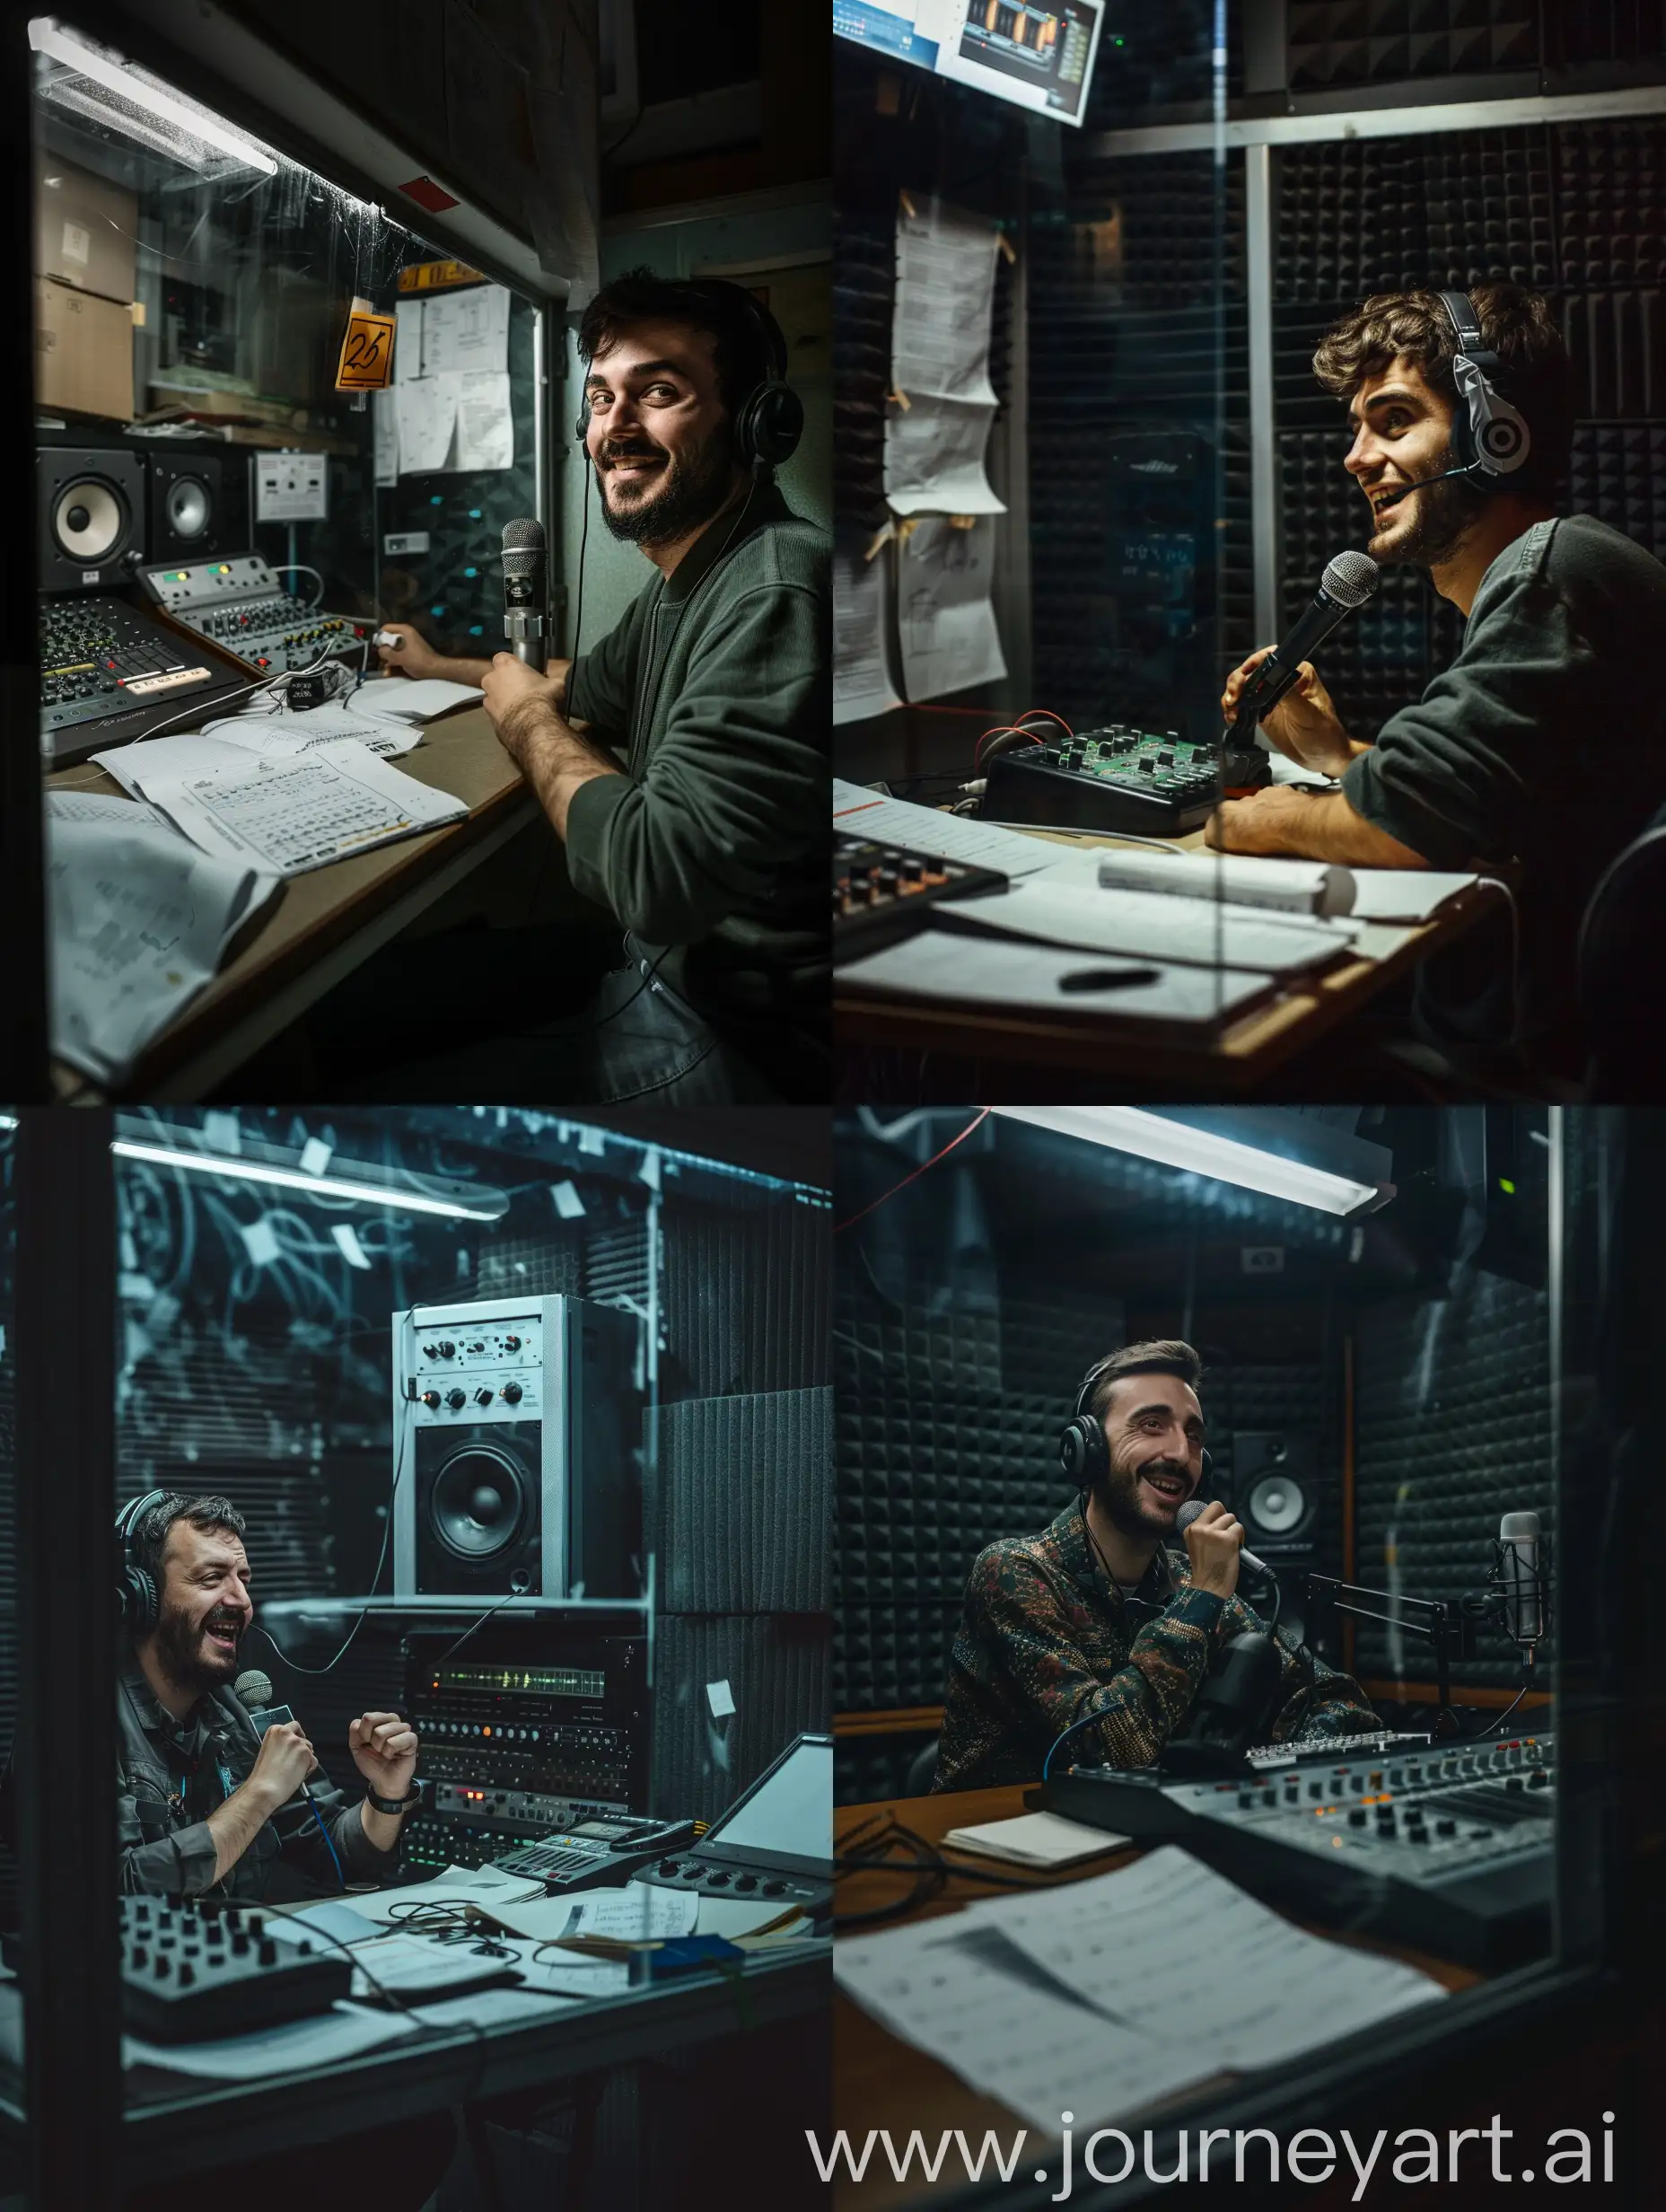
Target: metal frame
{"x": 1260, "y": 138}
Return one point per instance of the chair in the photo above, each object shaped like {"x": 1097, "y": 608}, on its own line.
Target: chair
{"x": 923, "y": 1769}
{"x": 1621, "y": 938}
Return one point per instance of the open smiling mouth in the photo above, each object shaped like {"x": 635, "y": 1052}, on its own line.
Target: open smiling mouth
{"x": 1170, "y": 1488}
{"x": 221, "y": 1635}
{"x": 631, "y": 468}
{"x": 1384, "y": 503}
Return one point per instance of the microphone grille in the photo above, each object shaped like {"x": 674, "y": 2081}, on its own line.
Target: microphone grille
{"x": 1350, "y": 578}
{"x": 523, "y": 545}
{"x": 1189, "y": 1513}
{"x": 1523, "y": 1526}
{"x": 253, "y": 1689}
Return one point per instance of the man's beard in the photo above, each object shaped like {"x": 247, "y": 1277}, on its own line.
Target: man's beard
{"x": 1118, "y": 1497}
{"x": 183, "y": 1656}
{"x": 691, "y": 491}
{"x": 1446, "y": 511}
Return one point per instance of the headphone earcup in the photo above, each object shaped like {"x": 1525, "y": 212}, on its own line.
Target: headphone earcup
{"x": 768, "y": 425}
{"x": 136, "y": 1599}
{"x": 1505, "y": 442}
{"x": 1082, "y": 1452}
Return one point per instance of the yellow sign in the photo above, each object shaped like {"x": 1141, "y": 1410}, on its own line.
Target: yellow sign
{"x": 366, "y": 361}
{"x": 434, "y": 275}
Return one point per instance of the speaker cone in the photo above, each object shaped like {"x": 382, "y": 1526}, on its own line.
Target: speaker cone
{"x": 188, "y": 510}
{"x": 480, "y": 1503}
{"x": 1277, "y": 1503}
{"x": 89, "y": 520}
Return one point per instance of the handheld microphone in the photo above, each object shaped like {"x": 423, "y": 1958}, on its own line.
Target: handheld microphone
{"x": 1524, "y": 1590}
{"x": 1183, "y": 1520}
{"x": 1348, "y": 582}
{"x": 526, "y": 591}
{"x": 253, "y": 1691}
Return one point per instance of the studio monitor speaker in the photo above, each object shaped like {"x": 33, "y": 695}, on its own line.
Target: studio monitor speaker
{"x": 90, "y": 508}
{"x": 1276, "y": 1491}
{"x": 198, "y": 503}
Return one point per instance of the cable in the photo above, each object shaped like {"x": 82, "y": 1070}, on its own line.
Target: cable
{"x": 239, "y": 691}
{"x": 291, "y": 568}
{"x": 329, "y": 1845}
{"x": 931, "y": 1872}
{"x": 583, "y": 540}
{"x": 485, "y": 1617}
{"x": 1502, "y": 1718}
{"x": 1085, "y": 1721}
{"x": 981, "y": 1116}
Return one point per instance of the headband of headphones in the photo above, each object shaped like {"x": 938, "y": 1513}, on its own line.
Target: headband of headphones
{"x": 1489, "y": 436}
{"x": 770, "y": 421}
{"x": 137, "y": 1598}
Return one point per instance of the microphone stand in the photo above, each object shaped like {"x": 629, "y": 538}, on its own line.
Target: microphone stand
{"x": 1448, "y": 1624}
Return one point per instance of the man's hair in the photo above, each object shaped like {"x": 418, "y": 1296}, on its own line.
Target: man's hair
{"x": 1534, "y": 372}
{"x": 1161, "y": 1356}
{"x": 149, "y": 1540}
{"x": 705, "y": 303}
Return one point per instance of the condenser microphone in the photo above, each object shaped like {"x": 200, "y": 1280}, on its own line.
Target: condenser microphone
{"x": 1524, "y": 1592}
{"x": 526, "y": 591}
{"x": 1348, "y": 582}
{"x": 1245, "y": 1558}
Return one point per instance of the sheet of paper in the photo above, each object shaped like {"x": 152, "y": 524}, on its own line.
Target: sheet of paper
{"x": 636, "y": 1913}
{"x": 485, "y": 427}
{"x": 427, "y": 418}
{"x": 1403, "y": 894}
{"x": 935, "y": 458}
{"x": 1035, "y": 1839}
{"x": 945, "y": 616}
{"x": 184, "y": 753}
{"x": 408, "y": 340}
{"x": 944, "y": 299}
{"x": 139, "y": 919}
{"x": 287, "y": 736}
{"x": 101, "y": 806}
{"x": 1041, "y": 978}
{"x": 952, "y": 837}
{"x": 457, "y": 1885}
{"x": 409, "y": 1963}
{"x": 249, "y": 812}
{"x": 568, "y": 1973}
{"x": 863, "y": 681}
{"x": 1223, "y": 1976}
{"x": 976, "y": 2004}
{"x": 1288, "y": 772}
{"x": 409, "y": 699}
{"x": 1145, "y": 924}
{"x": 466, "y": 330}
{"x": 385, "y": 428}
{"x": 324, "y": 2039}
{"x": 732, "y": 1917}
{"x": 490, "y": 2008}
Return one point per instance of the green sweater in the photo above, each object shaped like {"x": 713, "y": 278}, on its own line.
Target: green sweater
{"x": 715, "y": 690}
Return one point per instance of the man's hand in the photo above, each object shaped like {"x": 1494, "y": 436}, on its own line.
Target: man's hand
{"x": 1304, "y": 726}
{"x": 384, "y": 1750}
{"x": 1212, "y": 1544}
{"x": 412, "y": 656}
{"x": 519, "y": 700}
{"x": 281, "y": 1764}
{"x": 1305, "y": 825}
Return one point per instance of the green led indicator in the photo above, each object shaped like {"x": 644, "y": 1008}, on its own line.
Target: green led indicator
{"x": 1505, "y": 1185}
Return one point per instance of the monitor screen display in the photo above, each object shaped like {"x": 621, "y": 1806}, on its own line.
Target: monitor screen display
{"x": 1036, "y": 53}
{"x": 790, "y": 1814}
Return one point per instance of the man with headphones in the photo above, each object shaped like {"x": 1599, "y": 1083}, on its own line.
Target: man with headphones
{"x": 682, "y": 760}
{"x": 207, "y": 1803}
{"x": 1094, "y": 1622}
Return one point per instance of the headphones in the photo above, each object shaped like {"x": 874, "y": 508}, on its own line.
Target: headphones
{"x": 770, "y": 421}
{"x": 137, "y": 1598}
{"x": 1083, "y": 1451}
{"x": 1489, "y": 436}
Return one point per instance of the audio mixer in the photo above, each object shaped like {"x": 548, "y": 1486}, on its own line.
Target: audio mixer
{"x": 1449, "y": 1847}
{"x": 240, "y": 605}
{"x": 109, "y": 673}
{"x": 882, "y": 891}
{"x": 517, "y": 1750}
{"x": 1148, "y": 782}
{"x": 193, "y": 1969}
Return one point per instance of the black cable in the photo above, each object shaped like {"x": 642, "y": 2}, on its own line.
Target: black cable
{"x": 931, "y": 1872}
{"x": 1502, "y": 1718}
{"x": 485, "y": 1617}
{"x": 583, "y": 540}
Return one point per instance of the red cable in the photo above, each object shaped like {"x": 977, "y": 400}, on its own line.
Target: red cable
{"x": 982, "y": 1115}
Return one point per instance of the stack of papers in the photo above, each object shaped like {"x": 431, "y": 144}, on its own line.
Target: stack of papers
{"x": 1104, "y": 1996}
{"x": 140, "y": 918}
{"x": 1035, "y": 1839}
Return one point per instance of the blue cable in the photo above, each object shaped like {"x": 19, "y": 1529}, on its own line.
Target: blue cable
{"x": 329, "y": 1845}
{"x": 1086, "y": 1720}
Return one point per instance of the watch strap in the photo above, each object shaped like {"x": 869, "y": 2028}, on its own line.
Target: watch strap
{"x": 398, "y": 1806}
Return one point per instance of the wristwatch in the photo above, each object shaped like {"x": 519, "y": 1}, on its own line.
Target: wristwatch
{"x": 398, "y": 1806}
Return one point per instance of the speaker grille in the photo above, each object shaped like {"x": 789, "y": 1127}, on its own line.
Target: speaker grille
{"x": 480, "y": 1503}
{"x": 189, "y": 509}
{"x": 89, "y": 520}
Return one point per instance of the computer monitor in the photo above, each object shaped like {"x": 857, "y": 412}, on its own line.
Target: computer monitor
{"x": 786, "y": 1820}
{"x": 1038, "y": 54}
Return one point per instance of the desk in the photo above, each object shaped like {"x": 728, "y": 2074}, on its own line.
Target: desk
{"x": 323, "y": 924}
{"x": 174, "y": 2127}
{"x": 881, "y": 2082}
{"x": 1237, "y": 1059}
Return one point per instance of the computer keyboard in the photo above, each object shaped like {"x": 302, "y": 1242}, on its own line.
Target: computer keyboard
{"x": 100, "y": 658}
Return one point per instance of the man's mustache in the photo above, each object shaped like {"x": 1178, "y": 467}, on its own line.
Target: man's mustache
{"x": 610, "y": 453}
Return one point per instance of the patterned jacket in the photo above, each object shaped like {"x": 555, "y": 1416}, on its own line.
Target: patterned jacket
{"x": 1046, "y": 1635}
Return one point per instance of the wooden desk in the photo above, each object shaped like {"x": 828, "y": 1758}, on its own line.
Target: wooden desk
{"x": 1239, "y": 1058}
{"x": 880, "y": 2082}
{"x": 323, "y": 924}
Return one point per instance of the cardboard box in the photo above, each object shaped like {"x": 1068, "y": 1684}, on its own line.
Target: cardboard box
{"x": 84, "y": 352}
{"x": 84, "y": 230}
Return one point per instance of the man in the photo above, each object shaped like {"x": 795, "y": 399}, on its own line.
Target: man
{"x": 1094, "y": 1616}
{"x": 682, "y": 761}
{"x": 204, "y": 1801}
{"x": 1539, "y": 751}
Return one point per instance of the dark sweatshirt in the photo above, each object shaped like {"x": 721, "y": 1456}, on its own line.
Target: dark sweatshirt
{"x": 716, "y": 690}
{"x": 1541, "y": 744}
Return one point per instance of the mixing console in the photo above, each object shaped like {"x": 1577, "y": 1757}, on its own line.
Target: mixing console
{"x": 104, "y": 664}
{"x": 881, "y": 891}
{"x": 238, "y": 603}
{"x": 1151, "y": 782}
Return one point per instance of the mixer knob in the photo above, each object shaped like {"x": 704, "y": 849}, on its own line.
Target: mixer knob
{"x": 1538, "y": 1779}
{"x": 512, "y": 1394}
{"x": 447, "y": 1349}
{"x": 1446, "y": 1827}
{"x": 512, "y": 1344}
{"x": 456, "y": 1398}
{"x": 1356, "y": 1816}
{"x": 483, "y": 1398}
{"x": 431, "y": 1399}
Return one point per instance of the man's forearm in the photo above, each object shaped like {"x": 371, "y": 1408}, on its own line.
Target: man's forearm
{"x": 553, "y": 757}
{"x": 1287, "y": 822}
{"x": 382, "y": 1829}
{"x": 235, "y": 1824}
{"x": 464, "y": 669}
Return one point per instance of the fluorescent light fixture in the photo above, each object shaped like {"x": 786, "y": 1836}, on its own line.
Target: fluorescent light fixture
{"x": 47, "y": 37}
{"x": 297, "y": 1179}
{"x": 1200, "y": 1150}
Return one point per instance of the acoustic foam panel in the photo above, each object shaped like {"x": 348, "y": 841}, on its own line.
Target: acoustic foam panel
{"x": 740, "y": 1510}
{"x": 777, "y": 1669}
